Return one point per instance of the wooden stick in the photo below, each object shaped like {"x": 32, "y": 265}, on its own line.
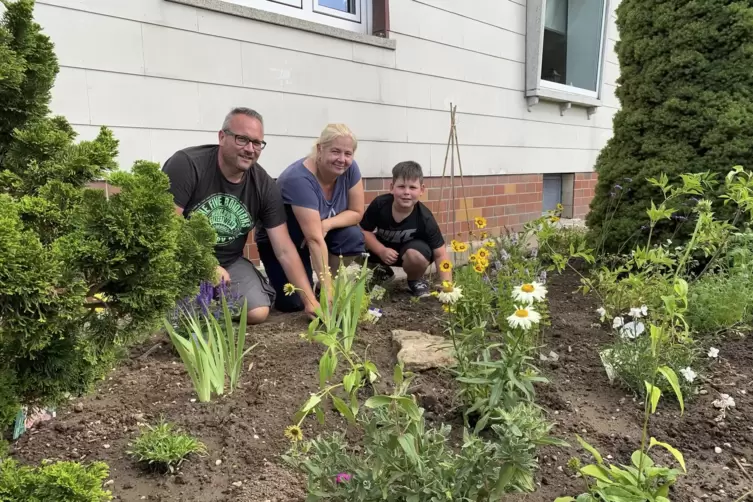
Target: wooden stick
{"x": 462, "y": 183}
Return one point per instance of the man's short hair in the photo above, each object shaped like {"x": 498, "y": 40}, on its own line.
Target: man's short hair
{"x": 408, "y": 170}
{"x": 240, "y": 110}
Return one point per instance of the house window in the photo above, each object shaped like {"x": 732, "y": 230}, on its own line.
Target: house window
{"x": 347, "y": 14}
{"x": 565, "y": 49}
{"x": 552, "y": 192}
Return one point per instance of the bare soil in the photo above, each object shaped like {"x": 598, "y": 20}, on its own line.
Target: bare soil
{"x": 244, "y": 431}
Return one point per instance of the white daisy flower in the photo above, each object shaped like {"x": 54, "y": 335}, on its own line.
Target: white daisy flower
{"x": 617, "y": 322}
{"x": 713, "y": 353}
{"x": 450, "y": 293}
{"x": 689, "y": 374}
{"x": 632, "y": 330}
{"x": 602, "y": 312}
{"x": 523, "y": 317}
{"x": 636, "y": 312}
{"x": 644, "y": 310}
{"x": 530, "y": 292}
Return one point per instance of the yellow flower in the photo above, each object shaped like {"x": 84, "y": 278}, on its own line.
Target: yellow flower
{"x": 445, "y": 266}
{"x": 294, "y": 433}
{"x": 483, "y": 253}
{"x": 559, "y": 206}
{"x": 460, "y": 247}
{"x": 490, "y": 244}
{"x": 479, "y": 268}
{"x": 483, "y": 262}
{"x": 434, "y": 293}
{"x": 554, "y": 219}
{"x": 448, "y": 308}
{"x": 289, "y": 289}
{"x": 484, "y": 235}
{"x": 473, "y": 258}
{"x": 454, "y": 243}
{"x": 480, "y": 221}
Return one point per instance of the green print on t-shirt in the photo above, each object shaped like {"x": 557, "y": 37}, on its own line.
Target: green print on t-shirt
{"x": 229, "y": 218}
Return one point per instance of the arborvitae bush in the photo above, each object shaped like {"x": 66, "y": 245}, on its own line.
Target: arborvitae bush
{"x": 82, "y": 274}
{"x": 686, "y": 94}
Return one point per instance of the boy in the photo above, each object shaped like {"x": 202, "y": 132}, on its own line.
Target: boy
{"x": 400, "y": 231}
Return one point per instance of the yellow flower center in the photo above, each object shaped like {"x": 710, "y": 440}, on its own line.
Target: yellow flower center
{"x": 448, "y": 289}
{"x": 527, "y": 288}
{"x": 521, "y": 313}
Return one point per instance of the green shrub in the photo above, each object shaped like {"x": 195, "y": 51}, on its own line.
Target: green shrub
{"x": 59, "y": 482}
{"x": 163, "y": 448}
{"x": 719, "y": 302}
{"x": 82, "y": 274}
{"x": 686, "y": 106}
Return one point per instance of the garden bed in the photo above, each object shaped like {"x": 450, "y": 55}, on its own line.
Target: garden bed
{"x": 245, "y": 430}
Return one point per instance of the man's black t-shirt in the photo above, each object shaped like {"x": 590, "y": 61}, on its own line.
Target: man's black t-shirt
{"x": 233, "y": 209}
{"x": 420, "y": 224}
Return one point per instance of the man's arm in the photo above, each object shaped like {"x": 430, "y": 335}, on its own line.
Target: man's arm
{"x": 313, "y": 233}
{"x": 352, "y": 215}
{"x": 290, "y": 261}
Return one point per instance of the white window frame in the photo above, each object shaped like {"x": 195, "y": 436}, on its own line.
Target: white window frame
{"x": 310, "y": 10}
{"x": 540, "y": 89}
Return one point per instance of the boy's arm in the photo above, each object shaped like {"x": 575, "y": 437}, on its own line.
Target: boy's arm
{"x": 387, "y": 255}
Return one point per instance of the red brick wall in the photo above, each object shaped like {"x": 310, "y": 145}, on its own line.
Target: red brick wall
{"x": 506, "y": 201}
{"x": 585, "y": 184}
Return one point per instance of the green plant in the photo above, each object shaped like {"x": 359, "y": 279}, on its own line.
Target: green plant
{"x": 83, "y": 273}
{"x": 643, "y": 480}
{"x": 403, "y": 460}
{"x": 720, "y": 302}
{"x": 335, "y": 328}
{"x": 163, "y": 448}
{"x": 679, "y": 117}
{"x": 58, "y": 481}
{"x": 211, "y": 353}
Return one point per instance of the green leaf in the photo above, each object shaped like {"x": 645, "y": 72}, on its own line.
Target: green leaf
{"x": 475, "y": 381}
{"x": 407, "y": 443}
{"x": 350, "y": 380}
{"x": 319, "y": 415}
{"x": 639, "y": 456}
{"x": 312, "y": 401}
{"x": 343, "y": 408}
{"x": 654, "y": 393}
{"x": 378, "y": 401}
{"x": 397, "y": 375}
{"x": 324, "y": 366}
{"x": 564, "y": 499}
{"x": 596, "y": 471}
{"x": 671, "y": 449}
{"x": 590, "y": 449}
{"x": 671, "y": 377}
{"x": 410, "y": 407}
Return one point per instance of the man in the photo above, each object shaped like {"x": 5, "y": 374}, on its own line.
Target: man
{"x": 225, "y": 183}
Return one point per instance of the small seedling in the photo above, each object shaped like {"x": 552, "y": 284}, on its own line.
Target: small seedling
{"x": 162, "y": 448}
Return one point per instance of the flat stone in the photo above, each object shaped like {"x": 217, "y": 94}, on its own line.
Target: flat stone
{"x": 420, "y": 351}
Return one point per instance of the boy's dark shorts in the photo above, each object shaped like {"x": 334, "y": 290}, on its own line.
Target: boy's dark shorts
{"x": 416, "y": 244}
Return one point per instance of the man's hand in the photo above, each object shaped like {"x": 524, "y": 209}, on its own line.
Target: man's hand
{"x": 222, "y": 275}
{"x": 310, "y": 308}
{"x": 387, "y": 255}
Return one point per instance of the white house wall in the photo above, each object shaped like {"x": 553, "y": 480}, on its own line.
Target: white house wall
{"x": 163, "y": 75}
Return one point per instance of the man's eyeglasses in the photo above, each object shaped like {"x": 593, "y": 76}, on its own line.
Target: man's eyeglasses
{"x": 245, "y": 140}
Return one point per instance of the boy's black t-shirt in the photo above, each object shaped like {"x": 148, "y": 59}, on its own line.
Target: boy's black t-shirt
{"x": 420, "y": 224}
{"x": 233, "y": 209}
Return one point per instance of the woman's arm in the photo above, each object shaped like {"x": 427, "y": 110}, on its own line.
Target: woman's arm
{"x": 313, "y": 233}
{"x": 352, "y": 215}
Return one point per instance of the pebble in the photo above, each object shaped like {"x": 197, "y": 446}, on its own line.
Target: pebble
{"x": 193, "y": 400}
{"x": 217, "y": 462}
{"x": 106, "y": 446}
{"x": 109, "y": 482}
{"x": 717, "y": 450}
{"x": 256, "y": 436}
{"x": 78, "y": 407}
{"x": 703, "y": 392}
{"x": 238, "y": 484}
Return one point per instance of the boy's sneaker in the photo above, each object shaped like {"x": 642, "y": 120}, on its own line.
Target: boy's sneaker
{"x": 419, "y": 288}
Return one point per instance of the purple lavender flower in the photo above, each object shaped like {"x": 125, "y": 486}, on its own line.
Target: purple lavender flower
{"x": 343, "y": 477}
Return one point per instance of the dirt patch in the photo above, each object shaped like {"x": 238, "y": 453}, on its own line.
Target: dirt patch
{"x": 245, "y": 430}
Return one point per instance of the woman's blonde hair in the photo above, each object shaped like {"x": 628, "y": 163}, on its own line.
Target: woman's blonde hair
{"x": 330, "y": 134}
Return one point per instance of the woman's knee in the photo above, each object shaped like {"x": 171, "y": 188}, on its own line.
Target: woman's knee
{"x": 257, "y": 315}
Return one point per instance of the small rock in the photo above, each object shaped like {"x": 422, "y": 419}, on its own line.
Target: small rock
{"x": 238, "y": 484}
{"x": 717, "y": 450}
{"x": 217, "y": 462}
{"x": 106, "y": 446}
{"x": 256, "y": 436}
{"x": 109, "y": 482}
{"x": 703, "y": 392}
{"x": 78, "y": 407}
{"x": 127, "y": 486}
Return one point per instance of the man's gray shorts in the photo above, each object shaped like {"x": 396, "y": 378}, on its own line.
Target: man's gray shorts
{"x": 248, "y": 282}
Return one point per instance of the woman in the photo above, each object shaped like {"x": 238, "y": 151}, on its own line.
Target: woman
{"x": 323, "y": 196}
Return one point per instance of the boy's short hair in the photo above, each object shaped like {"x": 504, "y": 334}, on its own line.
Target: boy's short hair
{"x": 408, "y": 170}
